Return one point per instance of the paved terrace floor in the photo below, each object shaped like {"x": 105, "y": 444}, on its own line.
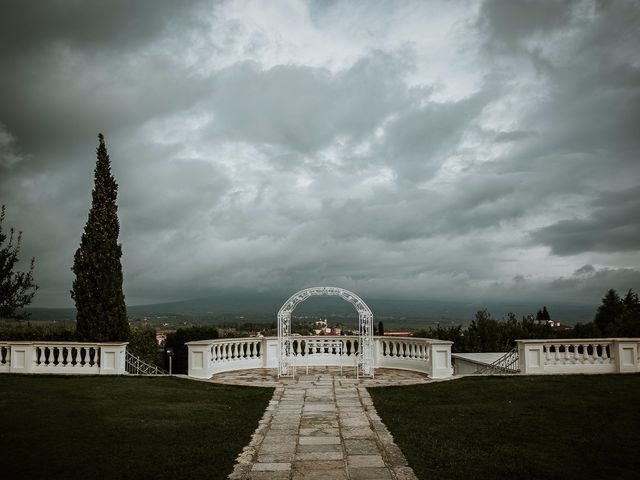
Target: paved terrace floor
{"x": 321, "y": 425}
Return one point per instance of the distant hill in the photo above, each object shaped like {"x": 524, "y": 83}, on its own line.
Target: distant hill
{"x": 409, "y": 312}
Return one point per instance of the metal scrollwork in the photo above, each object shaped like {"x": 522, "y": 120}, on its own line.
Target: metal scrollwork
{"x": 286, "y": 366}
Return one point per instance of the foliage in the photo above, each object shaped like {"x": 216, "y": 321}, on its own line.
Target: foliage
{"x": 97, "y": 289}
{"x": 124, "y": 427}
{"x": 616, "y": 317}
{"x": 143, "y": 344}
{"x": 28, "y": 332}
{"x": 517, "y": 426}
{"x": 16, "y": 288}
{"x": 543, "y": 314}
{"x": 486, "y": 334}
{"x": 619, "y": 317}
{"x": 177, "y": 340}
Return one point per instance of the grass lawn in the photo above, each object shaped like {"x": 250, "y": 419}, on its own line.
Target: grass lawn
{"x": 567, "y": 427}
{"x": 123, "y": 427}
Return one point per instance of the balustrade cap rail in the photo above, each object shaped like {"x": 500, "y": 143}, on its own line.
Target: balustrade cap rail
{"x": 579, "y": 340}
{"x": 433, "y": 341}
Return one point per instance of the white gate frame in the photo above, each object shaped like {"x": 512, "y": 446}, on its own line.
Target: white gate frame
{"x": 364, "y": 361}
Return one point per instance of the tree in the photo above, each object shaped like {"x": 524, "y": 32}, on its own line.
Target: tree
{"x": 380, "y": 328}
{"x": 545, "y": 314}
{"x": 609, "y": 314}
{"x": 16, "y": 288}
{"x": 630, "y": 323}
{"x": 97, "y": 289}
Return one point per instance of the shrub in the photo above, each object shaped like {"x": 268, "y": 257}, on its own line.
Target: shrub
{"x": 177, "y": 340}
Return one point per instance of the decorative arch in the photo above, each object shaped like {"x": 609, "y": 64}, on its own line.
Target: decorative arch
{"x": 364, "y": 363}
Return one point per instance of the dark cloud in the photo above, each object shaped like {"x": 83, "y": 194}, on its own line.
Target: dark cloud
{"x": 33, "y": 28}
{"x": 511, "y": 23}
{"x": 270, "y": 149}
{"x": 613, "y": 225}
{"x": 306, "y": 108}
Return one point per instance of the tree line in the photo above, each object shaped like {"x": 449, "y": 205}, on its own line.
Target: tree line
{"x": 615, "y": 317}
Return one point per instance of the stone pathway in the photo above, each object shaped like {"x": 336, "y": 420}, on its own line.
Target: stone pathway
{"x": 321, "y": 425}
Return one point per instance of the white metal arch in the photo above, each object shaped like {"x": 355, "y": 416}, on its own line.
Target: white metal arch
{"x": 365, "y": 321}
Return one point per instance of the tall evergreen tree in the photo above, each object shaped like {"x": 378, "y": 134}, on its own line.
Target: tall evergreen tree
{"x": 97, "y": 289}
{"x": 16, "y": 288}
{"x": 609, "y": 313}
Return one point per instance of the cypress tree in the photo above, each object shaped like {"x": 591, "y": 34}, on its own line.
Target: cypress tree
{"x": 97, "y": 289}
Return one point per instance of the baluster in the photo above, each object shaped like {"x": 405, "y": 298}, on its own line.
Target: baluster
{"x": 605, "y": 353}
{"x": 545, "y": 350}
{"x": 591, "y": 352}
{"x": 574, "y": 357}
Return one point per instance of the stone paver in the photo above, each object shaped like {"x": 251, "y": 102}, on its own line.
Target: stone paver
{"x": 321, "y": 426}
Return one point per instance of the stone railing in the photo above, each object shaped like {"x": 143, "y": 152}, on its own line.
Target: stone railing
{"x": 590, "y": 355}
{"x": 63, "y": 358}
{"x": 208, "y": 357}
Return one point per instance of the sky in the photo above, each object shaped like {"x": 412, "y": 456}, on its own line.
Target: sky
{"x": 444, "y": 150}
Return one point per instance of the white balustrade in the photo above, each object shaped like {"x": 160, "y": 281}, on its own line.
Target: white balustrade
{"x": 591, "y": 355}
{"x": 208, "y": 357}
{"x": 63, "y": 358}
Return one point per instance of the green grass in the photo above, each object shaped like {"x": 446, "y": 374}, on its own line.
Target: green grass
{"x": 123, "y": 427}
{"x": 566, "y": 427}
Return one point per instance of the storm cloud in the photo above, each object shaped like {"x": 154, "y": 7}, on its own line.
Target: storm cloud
{"x": 415, "y": 149}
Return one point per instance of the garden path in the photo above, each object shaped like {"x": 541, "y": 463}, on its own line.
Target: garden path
{"x": 321, "y": 426}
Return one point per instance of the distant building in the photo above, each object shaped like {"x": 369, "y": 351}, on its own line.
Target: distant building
{"x": 398, "y": 334}
{"x": 322, "y": 328}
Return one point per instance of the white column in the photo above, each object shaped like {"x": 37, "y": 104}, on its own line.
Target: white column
{"x": 270, "y": 352}
{"x": 21, "y": 357}
{"x": 199, "y": 361}
{"x": 440, "y": 360}
{"x": 112, "y": 358}
{"x": 530, "y": 357}
{"x": 626, "y": 355}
